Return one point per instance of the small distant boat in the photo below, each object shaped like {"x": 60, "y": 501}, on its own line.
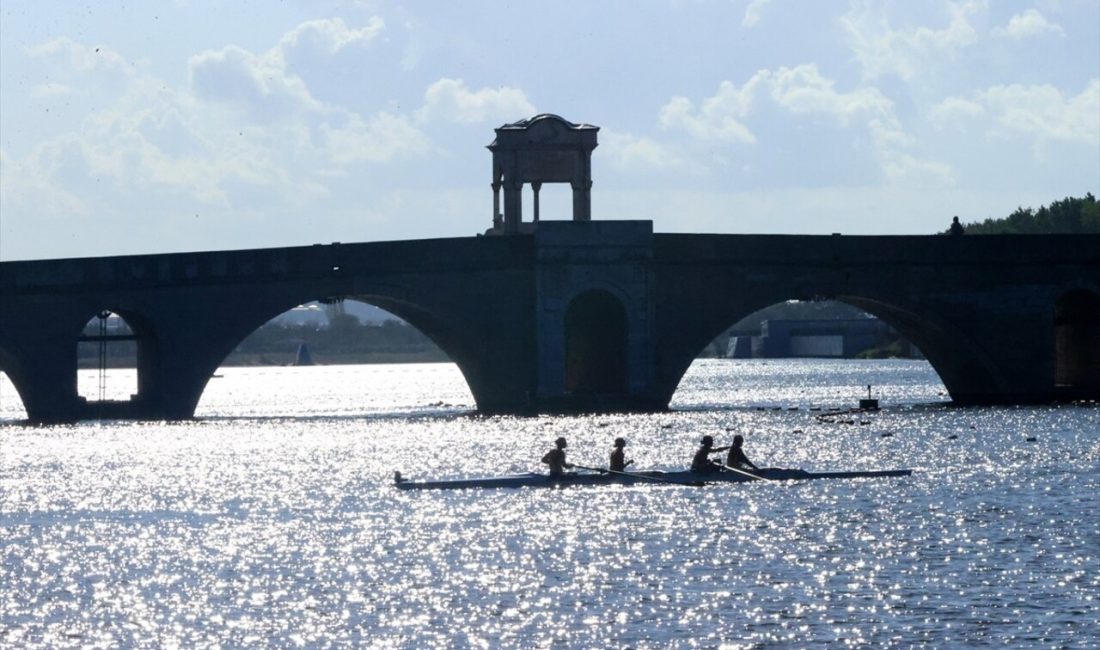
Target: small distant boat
{"x": 685, "y": 478}
{"x": 303, "y": 357}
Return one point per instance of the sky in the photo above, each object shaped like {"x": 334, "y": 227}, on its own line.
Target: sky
{"x": 149, "y": 127}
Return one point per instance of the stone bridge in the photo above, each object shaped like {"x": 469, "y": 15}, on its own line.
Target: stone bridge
{"x": 577, "y": 315}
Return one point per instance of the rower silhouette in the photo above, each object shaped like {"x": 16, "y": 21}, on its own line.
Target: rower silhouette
{"x": 618, "y": 456}
{"x": 737, "y": 457}
{"x": 701, "y": 462}
{"x": 555, "y": 458}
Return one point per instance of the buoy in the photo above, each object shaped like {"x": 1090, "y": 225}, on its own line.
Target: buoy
{"x": 869, "y": 404}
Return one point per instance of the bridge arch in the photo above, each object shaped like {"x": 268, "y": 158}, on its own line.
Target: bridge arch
{"x": 9, "y": 366}
{"x": 956, "y": 359}
{"x": 595, "y": 330}
{"x": 438, "y": 329}
{"x": 1077, "y": 341}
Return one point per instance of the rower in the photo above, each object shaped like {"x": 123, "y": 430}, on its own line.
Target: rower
{"x": 701, "y": 462}
{"x": 555, "y": 458}
{"x": 617, "y": 456}
{"x": 737, "y": 457}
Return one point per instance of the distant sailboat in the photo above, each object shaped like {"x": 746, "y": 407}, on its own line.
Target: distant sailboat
{"x": 303, "y": 358}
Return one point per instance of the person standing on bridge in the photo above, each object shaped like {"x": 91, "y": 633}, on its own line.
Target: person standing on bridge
{"x": 737, "y": 457}
{"x": 701, "y": 462}
{"x": 956, "y": 227}
{"x": 555, "y": 458}
{"x": 618, "y": 456}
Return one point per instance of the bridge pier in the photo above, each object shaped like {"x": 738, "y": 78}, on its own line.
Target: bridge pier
{"x": 594, "y": 316}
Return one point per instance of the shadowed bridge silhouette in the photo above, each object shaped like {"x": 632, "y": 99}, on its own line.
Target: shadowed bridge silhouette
{"x": 575, "y": 316}
{"x": 567, "y": 315}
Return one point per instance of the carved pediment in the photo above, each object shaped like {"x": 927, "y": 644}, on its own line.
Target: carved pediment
{"x": 545, "y": 130}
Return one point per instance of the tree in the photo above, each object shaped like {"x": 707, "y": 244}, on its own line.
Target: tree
{"x": 1068, "y": 216}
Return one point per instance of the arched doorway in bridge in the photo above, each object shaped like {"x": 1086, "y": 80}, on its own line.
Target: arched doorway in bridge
{"x": 1077, "y": 340}
{"x": 107, "y": 356}
{"x": 595, "y": 344}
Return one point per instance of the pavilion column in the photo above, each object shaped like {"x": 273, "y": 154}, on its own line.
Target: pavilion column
{"x": 536, "y": 187}
{"x": 582, "y": 201}
{"x": 496, "y": 204}
{"x": 513, "y": 206}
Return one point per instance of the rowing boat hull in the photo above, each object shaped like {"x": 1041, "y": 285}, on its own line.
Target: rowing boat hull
{"x": 652, "y": 478}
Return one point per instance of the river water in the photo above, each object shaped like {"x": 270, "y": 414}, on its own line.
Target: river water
{"x": 271, "y": 520}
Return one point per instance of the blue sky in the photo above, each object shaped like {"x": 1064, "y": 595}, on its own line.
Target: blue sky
{"x": 143, "y": 127}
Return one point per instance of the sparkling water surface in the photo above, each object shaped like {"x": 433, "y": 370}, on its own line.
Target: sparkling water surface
{"x": 272, "y": 519}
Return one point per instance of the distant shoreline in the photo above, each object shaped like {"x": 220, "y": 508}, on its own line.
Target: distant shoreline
{"x": 275, "y": 360}
{"x": 262, "y": 359}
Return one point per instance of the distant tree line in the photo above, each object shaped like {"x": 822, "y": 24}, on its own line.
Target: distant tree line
{"x": 800, "y": 310}
{"x": 1068, "y": 216}
{"x": 344, "y": 340}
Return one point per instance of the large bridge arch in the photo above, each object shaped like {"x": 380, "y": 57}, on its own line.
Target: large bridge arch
{"x": 444, "y": 330}
{"x": 958, "y": 360}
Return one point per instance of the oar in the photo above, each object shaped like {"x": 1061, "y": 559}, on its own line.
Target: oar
{"x": 749, "y": 474}
{"x": 641, "y": 476}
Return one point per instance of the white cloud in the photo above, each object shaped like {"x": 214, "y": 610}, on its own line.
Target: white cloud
{"x": 258, "y": 84}
{"x": 331, "y": 35}
{"x": 902, "y": 169}
{"x": 718, "y": 117}
{"x": 73, "y": 68}
{"x": 80, "y": 57}
{"x": 892, "y": 151}
{"x": 380, "y": 138}
{"x": 1029, "y": 24}
{"x": 244, "y": 141}
{"x": 52, "y": 89}
{"x": 882, "y": 50}
{"x": 801, "y": 89}
{"x": 629, "y": 151}
{"x": 29, "y": 186}
{"x": 753, "y": 13}
{"x": 804, "y": 90}
{"x": 450, "y": 100}
{"x": 953, "y": 110}
{"x": 1044, "y": 112}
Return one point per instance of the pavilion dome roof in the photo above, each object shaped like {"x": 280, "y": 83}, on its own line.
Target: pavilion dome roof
{"x": 531, "y": 121}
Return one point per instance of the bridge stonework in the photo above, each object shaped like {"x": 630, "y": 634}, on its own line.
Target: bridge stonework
{"x": 573, "y": 316}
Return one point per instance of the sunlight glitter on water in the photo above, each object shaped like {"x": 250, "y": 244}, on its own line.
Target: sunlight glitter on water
{"x": 248, "y": 529}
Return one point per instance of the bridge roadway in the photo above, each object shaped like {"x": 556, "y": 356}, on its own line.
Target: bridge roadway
{"x": 582, "y": 316}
